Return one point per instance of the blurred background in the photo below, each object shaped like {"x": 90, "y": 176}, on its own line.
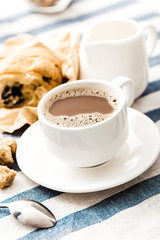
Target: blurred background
{"x": 16, "y": 16}
{"x": 154, "y": 4}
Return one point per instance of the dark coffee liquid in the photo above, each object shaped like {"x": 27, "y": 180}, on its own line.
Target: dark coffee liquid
{"x": 79, "y": 107}
{"x": 72, "y": 106}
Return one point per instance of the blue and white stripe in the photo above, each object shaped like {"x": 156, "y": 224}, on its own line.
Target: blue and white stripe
{"x": 129, "y": 211}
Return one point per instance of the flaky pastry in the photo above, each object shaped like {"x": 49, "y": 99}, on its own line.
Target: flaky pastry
{"x": 27, "y": 74}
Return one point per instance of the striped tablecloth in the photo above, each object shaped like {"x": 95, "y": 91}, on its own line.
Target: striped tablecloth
{"x": 130, "y": 211}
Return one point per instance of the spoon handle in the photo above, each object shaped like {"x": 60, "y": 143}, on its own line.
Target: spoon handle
{"x": 3, "y": 205}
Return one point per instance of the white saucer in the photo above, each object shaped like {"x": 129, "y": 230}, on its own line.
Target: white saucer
{"x": 136, "y": 156}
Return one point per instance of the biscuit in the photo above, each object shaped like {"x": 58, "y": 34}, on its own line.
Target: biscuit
{"x": 27, "y": 74}
{"x": 6, "y": 156}
{"x": 10, "y": 142}
{"x": 44, "y": 3}
{"x": 7, "y": 176}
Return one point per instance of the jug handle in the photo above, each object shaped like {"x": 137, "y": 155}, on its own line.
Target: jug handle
{"x": 151, "y": 36}
{"x": 127, "y": 87}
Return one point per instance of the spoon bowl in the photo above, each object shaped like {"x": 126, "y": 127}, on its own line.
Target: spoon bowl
{"x": 31, "y": 213}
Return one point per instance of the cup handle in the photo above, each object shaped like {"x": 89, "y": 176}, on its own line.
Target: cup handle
{"x": 151, "y": 36}
{"x": 127, "y": 87}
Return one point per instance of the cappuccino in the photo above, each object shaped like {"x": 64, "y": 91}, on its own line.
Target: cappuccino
{"x": 80, "y": 107}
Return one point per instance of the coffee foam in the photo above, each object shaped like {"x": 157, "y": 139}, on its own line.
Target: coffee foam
{"x": 79, "y": 120}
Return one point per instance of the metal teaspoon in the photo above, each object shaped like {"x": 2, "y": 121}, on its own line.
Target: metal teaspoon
{"x": 31, "y": 213}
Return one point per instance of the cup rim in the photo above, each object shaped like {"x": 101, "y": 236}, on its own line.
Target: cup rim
{"x": 123, "y": 40}
{"x": 73, "y": 84}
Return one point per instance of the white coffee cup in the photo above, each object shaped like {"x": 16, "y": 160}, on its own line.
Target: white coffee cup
{"x": 118, "y": 47}
{"x": 93, "y": 144}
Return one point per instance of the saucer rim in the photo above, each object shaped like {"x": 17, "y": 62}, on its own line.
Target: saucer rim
{"x": 102, "y": 187}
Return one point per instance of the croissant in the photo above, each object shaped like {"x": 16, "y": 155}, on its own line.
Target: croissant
{"x": 27, "y": 74}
